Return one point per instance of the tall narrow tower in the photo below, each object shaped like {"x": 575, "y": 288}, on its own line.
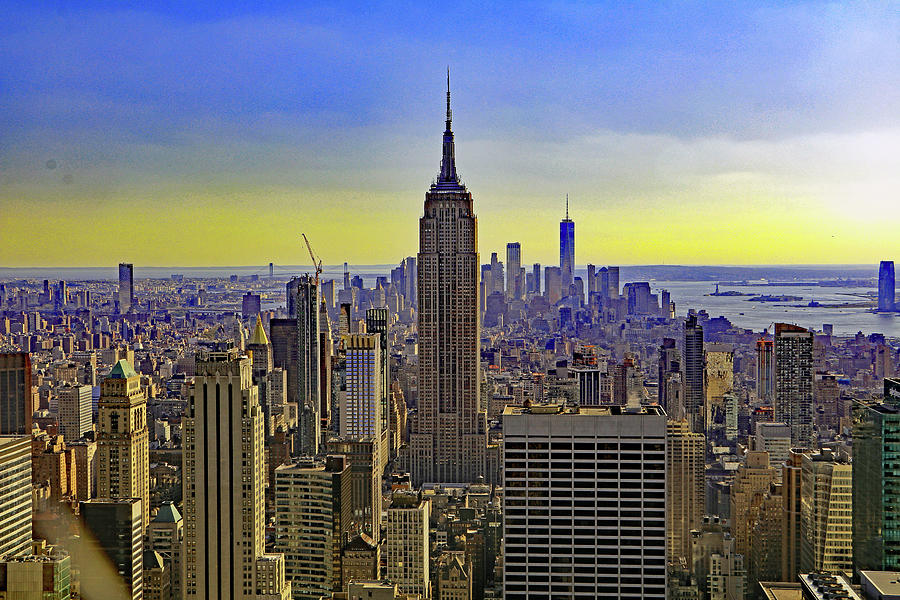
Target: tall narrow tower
{"x": 794, "y": 382}
{"x": 126, "y": 287}
{"x": 567, "y": 250}
{"x": 123, "y": 450}
{"x": 693, "y": 373}
{"x": 448, "y": 440}
{"x": 886, "y": 283}
{"x": 224, "y": 477}
{"x": 303, "y": 305}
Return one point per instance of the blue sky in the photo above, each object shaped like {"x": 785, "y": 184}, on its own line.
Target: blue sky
{"x": 739, "y": 114}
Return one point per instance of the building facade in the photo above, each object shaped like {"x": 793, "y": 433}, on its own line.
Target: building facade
{"x": 794, "y": 382}
{"x": 15, "y": 496}
{"x": 16, "y": 404}
{"x": 448, "y": 440}
{"x": 224, "y": 481}
{"x": 584, "y": 504}
{"x": 126, "y": 287}
{"x": 303, "y": 305}
{"x": 886, "y": 285}
{"x": 407, "y": 548}
{"x": 685, "y": 487}
{"x": 826, "y": 514}
{"x": 876, "y": 481}
{"x": 123, "y": 443}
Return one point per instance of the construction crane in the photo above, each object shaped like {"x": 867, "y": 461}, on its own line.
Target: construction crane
{"x": 316, "y": 261}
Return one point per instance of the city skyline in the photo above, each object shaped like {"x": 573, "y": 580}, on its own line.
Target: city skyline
{"x": 649, "y": 121}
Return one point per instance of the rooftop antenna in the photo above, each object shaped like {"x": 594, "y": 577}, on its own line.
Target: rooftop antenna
{"x": 567, "y": 207}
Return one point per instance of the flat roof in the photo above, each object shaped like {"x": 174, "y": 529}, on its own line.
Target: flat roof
{"x": 561, "y": 409}
{"x": 886, "y": 582}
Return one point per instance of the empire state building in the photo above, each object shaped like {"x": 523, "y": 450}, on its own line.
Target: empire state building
{"x": 449, "y": 432}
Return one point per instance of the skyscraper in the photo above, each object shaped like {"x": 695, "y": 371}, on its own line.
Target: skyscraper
{"x": 886, "y": 283}
{"x": 794, "y": 382}
{"x": 126, "y": 287}
{"x": 765, "y": 370}
{"x": 378, "y": 323}
{"x": 584, "y": 503}
{"x": 613, "y": 275}
{"x": 313, "y": 511}
{"x": 362, "y": 400}
{"x": 826, "y": 514}
{"x": 16, "y": 404}
{"x": 224, "y": 480}
{"x": 693, "y": 374}
{"x": 74, "y": 405}
{"x": 685, "y": 486}
{"x": 876, "y": 481}
{"x": 514, "y": 283}
{"x": 116, "y": 526}
{"x": 303, "y": 305}
{"x": 566, "y": 250}
{"x": 448, "y": 442}
{"x": 15, "y": 495}
{"x": 123, "y": 450}
{"x": 406, "y": 546}
{"x": 669, "y": 362}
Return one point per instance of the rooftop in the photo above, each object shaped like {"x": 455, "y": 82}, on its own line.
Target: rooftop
{"x": 122, "y": 370}
{"x": 561, "y": 409}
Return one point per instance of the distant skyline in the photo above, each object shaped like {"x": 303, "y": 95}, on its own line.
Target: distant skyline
{"x": 701, "y": 133}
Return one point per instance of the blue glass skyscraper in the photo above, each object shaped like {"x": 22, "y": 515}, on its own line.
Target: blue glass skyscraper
{"x": 886, "y": 284}
{"x": 566, "y": 250}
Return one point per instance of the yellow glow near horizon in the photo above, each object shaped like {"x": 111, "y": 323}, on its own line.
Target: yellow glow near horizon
{"x": 256, "y": 226}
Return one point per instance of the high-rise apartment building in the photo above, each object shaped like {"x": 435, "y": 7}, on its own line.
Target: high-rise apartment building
{"x": 224, "y": 480}
{"x": 685, "y": 487}
{"x": 693, "y": 374}
{"x": 765, "y": 370}
{"x": 886, "y": 284}
{"x": 74, "y": 404}
{"x": 126, "y": 287}
{"x": 312, "y": 514}
{"x": 584, "y": 504}
{"x": 566, "y": 250}
{"x": 123, "y": 444}
{"x": 16, "y": 404}
{"x": 407, "y": 548}
{"x": 876, "y": 481}
{"x": 378, "y": 323}
{"x": 751, "y": 481}
{"x": 362, "y": 401}
{"x": 794, "y": 382}
{"x": 15, "y": 496}
{"x": 116, "y": 528}
{"x": 303, "y": 305}
{"x": 448, "y": 440}
{"x": 826, "y": 514}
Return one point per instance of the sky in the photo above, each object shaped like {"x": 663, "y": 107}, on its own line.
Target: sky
{"x": 215, "y": 133}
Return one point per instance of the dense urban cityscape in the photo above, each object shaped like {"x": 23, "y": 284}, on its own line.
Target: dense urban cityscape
{"x": 455, "y": 431}
{"x": 261, "y": 340}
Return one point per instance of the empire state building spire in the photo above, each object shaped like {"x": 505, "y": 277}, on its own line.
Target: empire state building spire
{"x": 448, "y": 160}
